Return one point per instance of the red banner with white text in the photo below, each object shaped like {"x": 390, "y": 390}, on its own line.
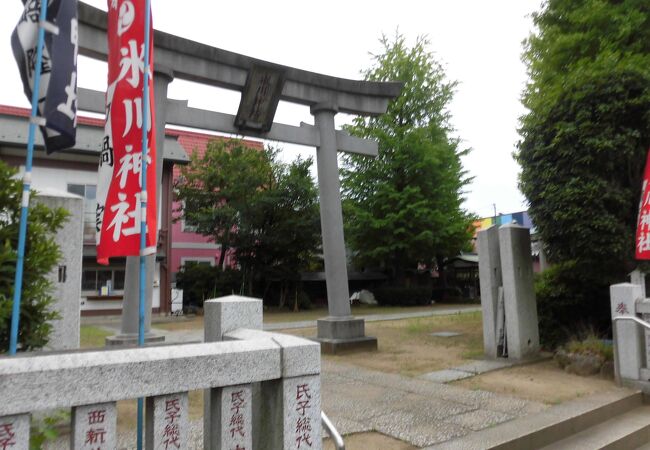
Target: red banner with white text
{"x": 118, "y": 216}
{"x": 643, "y": 221}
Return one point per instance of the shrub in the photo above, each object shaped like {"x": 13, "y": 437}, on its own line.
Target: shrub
{"x": 41, "y": 255}
{"x": 561, "y": 307}
{"x": 201, "y": 281}
{"x": 403, "y": 296}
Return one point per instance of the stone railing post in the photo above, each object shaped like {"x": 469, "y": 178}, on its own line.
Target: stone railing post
{"x": 14, "y": 432}
{"x": 167, "y": 421}
{"x": 629, "y": 349}
{"x": 282, "y": 413}
{"x": 94, "y": 426}
{"x": 286, "y": 412}
{"x": 228, "y": 419}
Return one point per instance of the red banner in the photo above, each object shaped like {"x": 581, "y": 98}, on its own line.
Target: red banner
{"x": 643, "y": 221}
{"x": 118, "y": 191}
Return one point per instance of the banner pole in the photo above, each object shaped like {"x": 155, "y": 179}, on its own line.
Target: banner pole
{"x": 143, "y": 203}
{"x": 27, "y": 180}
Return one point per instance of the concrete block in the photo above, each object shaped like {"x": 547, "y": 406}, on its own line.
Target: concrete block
{"x": 629, "y": 338}
{"x": 94, "y": 426}
{"x": 167, "y": 424}
{"x": 66, "y": 275}
{"x": 14, "y": 432}
{"x": 335, "y": 328}
{"x": 489, "y": 266}
{"x": 341, "y": 346}
{"x": 522, "y": 329}
{"x": 231, "y": 418}
{"x": 229, "y": 313}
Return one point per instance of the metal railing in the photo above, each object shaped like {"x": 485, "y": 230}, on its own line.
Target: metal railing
{"x": 641, "y": 322}
{"x": 332, "y": 431}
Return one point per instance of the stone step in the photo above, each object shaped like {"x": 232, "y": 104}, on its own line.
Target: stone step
{"x": 644, "y": 447}
{"x": 552, "y": 425}
{"x": 621, "y": 432}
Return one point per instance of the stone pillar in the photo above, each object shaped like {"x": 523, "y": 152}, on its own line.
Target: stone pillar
{"x": 221, "y": 316}
{"x": 14, "y": 431}
{"x": 130, "y": 304}
{"x": 339, "y": 331}
{"x": 167, "y": 422}
{"x": 629, "y": 348}
{"x": 522, "y": 328}
{"x": 66, "y": 276}
{"x": 489, "y": 269}
{"x": 94, "y": 426}
{"x": 292, "y": 419}
{"x": 231, "y": 423}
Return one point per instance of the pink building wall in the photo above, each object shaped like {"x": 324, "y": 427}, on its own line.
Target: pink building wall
{"x": 187, "y": 245}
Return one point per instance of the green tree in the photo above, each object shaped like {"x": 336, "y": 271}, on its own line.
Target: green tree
{"x": 264, "y": 210}
{"x": 283, "y": 229}
{"x": 583, "y": 145}
{"x": 219, "y": 187}
{"x": 405, "y": 205}
{"x": 41, "y": 255}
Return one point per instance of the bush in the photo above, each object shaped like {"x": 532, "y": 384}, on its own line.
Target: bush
{"x": 201, "y": 281}
{"x": 41, "y": 255}
{"x": 403, "y": 296}
{"x": 561, "y": 307}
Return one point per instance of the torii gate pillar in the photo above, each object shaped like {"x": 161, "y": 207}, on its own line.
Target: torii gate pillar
{"x": 339, "y": 331}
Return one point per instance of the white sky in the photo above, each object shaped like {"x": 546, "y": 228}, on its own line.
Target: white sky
{"x": 478, "y": 42}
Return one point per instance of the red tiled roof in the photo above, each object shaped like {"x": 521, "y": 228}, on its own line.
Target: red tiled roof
{"x": 25, "y": 112}
{"x": 191, "y": 141}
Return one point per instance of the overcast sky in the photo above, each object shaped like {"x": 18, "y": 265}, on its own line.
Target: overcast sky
{"x": 478, "y": 43}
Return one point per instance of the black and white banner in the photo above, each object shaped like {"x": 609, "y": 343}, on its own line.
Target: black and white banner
{"x": 58, "y": 85}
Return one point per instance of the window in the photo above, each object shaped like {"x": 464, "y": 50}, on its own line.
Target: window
{"x": 207, "y": 261}
{"x": 94, "y": 279}
{"x": 89, "y": 194}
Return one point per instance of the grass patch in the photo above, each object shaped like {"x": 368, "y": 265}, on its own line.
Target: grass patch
{"x": 93, "y": 337}
{"x": 592, "y": 344}
{"x": 406, "y": 346}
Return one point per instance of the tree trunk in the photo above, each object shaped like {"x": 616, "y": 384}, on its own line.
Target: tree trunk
{"x": 296, "y": 308}
{"x": 222, "y": 256}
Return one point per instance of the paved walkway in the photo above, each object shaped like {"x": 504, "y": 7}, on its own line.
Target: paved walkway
{"x": 420, "y": 411}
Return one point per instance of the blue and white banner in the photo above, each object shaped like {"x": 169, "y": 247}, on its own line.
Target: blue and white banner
{"x": 58, "y": 86}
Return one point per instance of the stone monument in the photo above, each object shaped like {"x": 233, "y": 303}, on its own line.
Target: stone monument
{"x": 510, "y": 324}
{"x": 66, "y": 276}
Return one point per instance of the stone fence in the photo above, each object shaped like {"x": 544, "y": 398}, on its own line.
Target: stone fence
{"x": 262, "y": 390}
{"x": 630, "y": 311}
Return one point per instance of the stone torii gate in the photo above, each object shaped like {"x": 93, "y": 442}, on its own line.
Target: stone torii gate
{"x": 262, "y": 85}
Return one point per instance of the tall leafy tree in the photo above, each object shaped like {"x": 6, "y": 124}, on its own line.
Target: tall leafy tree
{"x": 405, "y": 206}
{"x": 583, "y": 145}
{"x": 41, "y": 255}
